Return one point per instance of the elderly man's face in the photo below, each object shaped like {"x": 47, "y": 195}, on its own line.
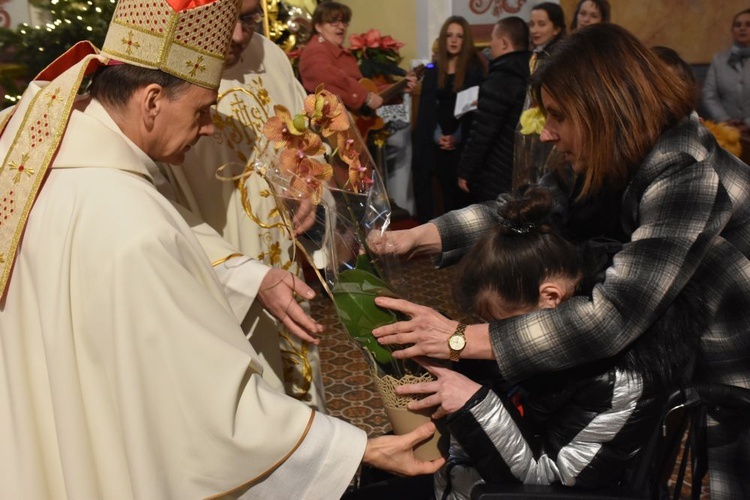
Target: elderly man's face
{"x": 250, "y": 13}
{"x": 180, "y": 122}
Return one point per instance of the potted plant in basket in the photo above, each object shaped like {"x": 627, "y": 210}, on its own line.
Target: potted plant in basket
{"x": 323, "y": 160}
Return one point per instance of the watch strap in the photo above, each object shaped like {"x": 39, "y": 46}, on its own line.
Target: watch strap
{"x": 461, "y": 332}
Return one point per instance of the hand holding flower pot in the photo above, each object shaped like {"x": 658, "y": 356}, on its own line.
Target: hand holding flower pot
{"x": 324, "y": 159}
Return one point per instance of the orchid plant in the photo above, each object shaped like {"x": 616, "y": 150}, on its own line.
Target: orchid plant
{"x": 304, "y": 158}
{"x": 322, "y": 158}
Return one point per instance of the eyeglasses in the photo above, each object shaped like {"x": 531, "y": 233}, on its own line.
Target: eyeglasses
{"x": 339, "y": 23}
{"x": 250, "y": 20}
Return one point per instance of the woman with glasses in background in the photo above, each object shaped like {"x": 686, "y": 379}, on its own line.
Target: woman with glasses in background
{"x": 325, "y": 59}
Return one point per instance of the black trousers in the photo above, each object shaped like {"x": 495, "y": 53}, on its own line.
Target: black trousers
{"x": 375, "y": 484}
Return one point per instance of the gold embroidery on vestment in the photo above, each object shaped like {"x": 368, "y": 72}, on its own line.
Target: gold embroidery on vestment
{"x": 130, "y": 44}
{"x": 241, "y": 131}
{"x": 21, "y": 168}
{"x": 197, "y": 66}
{"x": 39, "y": 136}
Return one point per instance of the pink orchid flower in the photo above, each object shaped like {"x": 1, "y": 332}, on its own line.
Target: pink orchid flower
{"x": 282, "y": 128}
{"x": 308, "y": 175}
{"x": 326, "y": 112}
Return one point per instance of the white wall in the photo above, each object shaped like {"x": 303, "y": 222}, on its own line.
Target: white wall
{"x": 14, "y": 13}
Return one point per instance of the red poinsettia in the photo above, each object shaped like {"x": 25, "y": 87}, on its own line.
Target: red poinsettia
{"x": 377, "y": 54}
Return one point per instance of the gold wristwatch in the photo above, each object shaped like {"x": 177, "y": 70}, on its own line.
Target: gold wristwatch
{"x": 457, "y": 341}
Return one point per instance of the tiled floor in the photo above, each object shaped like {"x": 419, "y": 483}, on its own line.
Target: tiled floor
{"x": 350, "y": 392}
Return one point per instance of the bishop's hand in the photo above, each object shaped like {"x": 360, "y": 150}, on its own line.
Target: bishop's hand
{"x": 277, "y": 294}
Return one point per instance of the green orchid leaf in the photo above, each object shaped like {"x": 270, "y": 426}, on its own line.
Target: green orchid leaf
{"x": 354, "y": 297}
{"x": 364, "y": 264}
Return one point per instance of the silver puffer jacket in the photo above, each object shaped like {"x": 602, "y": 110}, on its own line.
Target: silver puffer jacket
{"x": 584, "y": 433}
{"x": 581, "y": 427}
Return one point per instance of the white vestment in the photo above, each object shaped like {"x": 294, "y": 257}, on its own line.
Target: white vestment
{"x": 249, "y": 90}
{"x": 123, "y": 371}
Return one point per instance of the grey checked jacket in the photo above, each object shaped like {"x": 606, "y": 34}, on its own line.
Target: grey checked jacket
{"x": 687, "y": 214}
{"x": 687, "y": 211}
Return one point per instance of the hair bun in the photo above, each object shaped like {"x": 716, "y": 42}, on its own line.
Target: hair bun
{"x": 532, "y": 209}
{"x": 518, "y": 228}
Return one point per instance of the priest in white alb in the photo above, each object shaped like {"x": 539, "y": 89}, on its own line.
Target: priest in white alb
{"x": 125, "y": 374}
{"x": 257, "y": 76}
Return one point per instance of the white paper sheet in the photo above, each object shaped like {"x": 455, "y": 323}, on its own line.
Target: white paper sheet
{"x": 466, "y": 101}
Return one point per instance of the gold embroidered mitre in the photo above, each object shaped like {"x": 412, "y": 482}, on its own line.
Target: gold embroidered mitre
{"x": 189, "y": 43}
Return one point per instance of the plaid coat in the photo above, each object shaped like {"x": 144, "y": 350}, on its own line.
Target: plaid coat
{"x": 686, "y": 214}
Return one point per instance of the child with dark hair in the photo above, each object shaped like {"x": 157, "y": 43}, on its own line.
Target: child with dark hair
{"x": 581, "y": 427}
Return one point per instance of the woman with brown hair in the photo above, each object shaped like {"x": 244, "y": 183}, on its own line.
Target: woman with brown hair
{"x": 546, "y": 26}
{"x": 325, "y": 59}
{"x": 438, "y": 134}
{"x": 642, "y": 169}
{"x": 590, "y": 12}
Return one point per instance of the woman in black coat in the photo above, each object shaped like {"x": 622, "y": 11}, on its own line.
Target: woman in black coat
{"x": 438, "y": 134}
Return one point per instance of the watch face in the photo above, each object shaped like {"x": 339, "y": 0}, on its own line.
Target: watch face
{"x": 457, "y": 342}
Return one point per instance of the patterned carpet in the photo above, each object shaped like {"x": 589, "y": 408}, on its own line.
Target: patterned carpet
{"x": 350, "y": 391}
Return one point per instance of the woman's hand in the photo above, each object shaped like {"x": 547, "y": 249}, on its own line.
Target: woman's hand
{"x": 427, "y": 329}
{"x": 450, "y": 392}
{"x": 447, "y": 142}
{"x": 374, "y": 101}
{"x": 411, "y": 82}
{"x": 392, "y": 242}
{"x": 395, "y": 454}
{"x": 463, "y": 185}
{"x": 424, "y": 239}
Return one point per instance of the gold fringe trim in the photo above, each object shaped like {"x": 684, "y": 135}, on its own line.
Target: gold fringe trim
{"x": 223, "y": 260}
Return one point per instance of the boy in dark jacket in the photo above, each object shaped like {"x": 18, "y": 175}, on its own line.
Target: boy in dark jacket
{"x": 486, "y": 165}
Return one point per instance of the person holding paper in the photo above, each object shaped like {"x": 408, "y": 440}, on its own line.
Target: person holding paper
{"x": 486, "y": 166}
{"x": 438, "y": 133}
{"x": 466, "y": 101}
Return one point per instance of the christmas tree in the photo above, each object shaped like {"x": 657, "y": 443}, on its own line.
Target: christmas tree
{"x": 32, "y": 48}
